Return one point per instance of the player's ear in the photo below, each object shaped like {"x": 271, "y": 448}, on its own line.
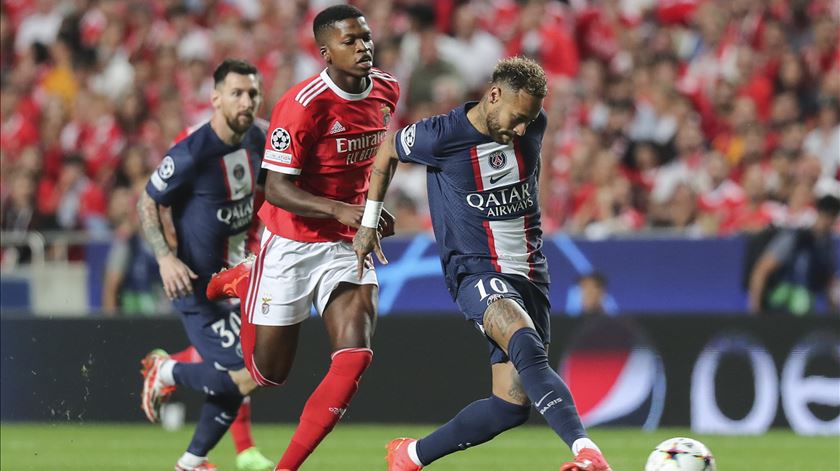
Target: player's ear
{"x": 495, "y": 94}
{"x": 216, "y": 98}
{"x": 325, "y": 53}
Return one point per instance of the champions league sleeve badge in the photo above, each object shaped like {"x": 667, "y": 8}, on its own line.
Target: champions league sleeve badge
{"x": 164, "y": 172}
{"x": 280, "y": 139}
{"x": 166, "y": 168}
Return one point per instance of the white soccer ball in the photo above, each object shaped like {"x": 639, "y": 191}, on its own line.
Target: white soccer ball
{"x": 681, "y": 454}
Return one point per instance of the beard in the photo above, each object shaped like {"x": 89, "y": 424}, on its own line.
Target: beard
{"x": 494, "y": 128}
{"x": 240, "y": 123}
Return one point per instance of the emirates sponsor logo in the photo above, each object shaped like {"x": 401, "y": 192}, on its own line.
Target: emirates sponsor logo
{"x": 357, "y": 149}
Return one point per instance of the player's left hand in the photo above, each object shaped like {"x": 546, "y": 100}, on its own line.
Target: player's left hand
{"x": 386, "y": 224}
{"x": 365, "y": 242}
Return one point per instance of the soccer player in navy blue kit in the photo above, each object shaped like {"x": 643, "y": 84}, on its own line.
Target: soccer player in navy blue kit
{"x": 208, "y": 180}
{"x": 483, "y": 162}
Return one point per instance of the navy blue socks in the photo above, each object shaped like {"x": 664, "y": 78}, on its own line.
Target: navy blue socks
{"x": 205, "y": 378}
{"x": 475, "y": 424}
{"x": 543, "y": 385}
{"x": 217, "y": 414}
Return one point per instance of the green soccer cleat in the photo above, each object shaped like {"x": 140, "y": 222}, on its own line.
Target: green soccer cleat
{"x": 252, "y": 460}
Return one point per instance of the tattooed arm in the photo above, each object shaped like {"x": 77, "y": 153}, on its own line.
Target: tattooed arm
{"x": 367, "y": 238}
{"x": 176, "y": 275}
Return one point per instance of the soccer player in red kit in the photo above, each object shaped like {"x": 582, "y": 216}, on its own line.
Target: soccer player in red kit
{"x": 321, "y": 140}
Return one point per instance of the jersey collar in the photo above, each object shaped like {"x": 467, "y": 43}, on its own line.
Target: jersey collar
{"x": 347, "y": 96}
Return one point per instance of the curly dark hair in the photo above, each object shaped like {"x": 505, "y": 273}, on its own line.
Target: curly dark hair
{"x": 521, "y": 73}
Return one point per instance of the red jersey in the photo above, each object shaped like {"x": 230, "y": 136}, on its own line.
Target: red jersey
{"x": 327, "y": 137}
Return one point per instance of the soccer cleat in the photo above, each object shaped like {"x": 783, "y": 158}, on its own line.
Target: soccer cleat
{"x": 205, "y": 466}
{"x": 588, "y": 459}
{"x": 155, "y": 392}
{"x": 222, "y": 285}
{"x": 252, "y": 460}
{"x": 397, "y": 457}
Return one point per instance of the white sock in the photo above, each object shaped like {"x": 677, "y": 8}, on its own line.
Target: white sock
{"x": 582, "y": 443}
{"x": 189, "y": 460}
{"x": 412, "y": 453}
{"x": 165, "y": 372}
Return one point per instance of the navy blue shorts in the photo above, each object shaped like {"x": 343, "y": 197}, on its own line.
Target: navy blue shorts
{"x": 476, "y": 292}
{"x": 214, "y": 332}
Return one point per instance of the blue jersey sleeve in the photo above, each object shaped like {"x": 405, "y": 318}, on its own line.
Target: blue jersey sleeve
{"x": 417, "y": 143}
{"x": 173, "y": 176}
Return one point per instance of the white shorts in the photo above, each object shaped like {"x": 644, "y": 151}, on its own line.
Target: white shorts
{"x": 288, "y": 277}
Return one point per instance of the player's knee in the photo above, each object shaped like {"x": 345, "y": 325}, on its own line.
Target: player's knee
{"x": 508, "y": 415}
{"x": 267, "y": 372}
{"x": 526, "y": 350}
{"x": 244, "y": 381}
{"x": 502, "y": 318}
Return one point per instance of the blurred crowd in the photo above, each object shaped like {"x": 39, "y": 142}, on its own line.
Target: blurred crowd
{"x": 706, "y": 117}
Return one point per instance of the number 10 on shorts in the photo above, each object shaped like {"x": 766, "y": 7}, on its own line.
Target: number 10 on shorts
{"x": 496, "y": 284}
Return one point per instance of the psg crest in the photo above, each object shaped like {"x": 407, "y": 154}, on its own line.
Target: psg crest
{"x": 498, "y": 160}
{"x": 239, "y": 172}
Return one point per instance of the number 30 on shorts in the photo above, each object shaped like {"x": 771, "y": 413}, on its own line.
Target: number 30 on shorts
{"x": 228, "y": 336}
{"x": 496, "y": 284}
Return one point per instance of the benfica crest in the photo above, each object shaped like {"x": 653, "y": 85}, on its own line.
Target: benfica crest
{"x": 386, "y": 115}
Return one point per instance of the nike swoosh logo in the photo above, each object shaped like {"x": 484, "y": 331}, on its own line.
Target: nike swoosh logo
{"x": 493, "y": 180}
{"x": 537, "y": 404}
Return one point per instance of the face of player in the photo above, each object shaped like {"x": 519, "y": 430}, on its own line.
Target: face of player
{"x": 348, "y": 47}
{"x": 510, "y": 112}
{"x": 238, "y": 98}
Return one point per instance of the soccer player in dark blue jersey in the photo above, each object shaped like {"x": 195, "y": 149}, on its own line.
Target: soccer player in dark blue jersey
{"x": 483, "y": 162}
{"x": 208, "y": 180}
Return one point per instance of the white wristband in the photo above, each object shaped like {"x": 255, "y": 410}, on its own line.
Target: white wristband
{"x": 371, "y": 216}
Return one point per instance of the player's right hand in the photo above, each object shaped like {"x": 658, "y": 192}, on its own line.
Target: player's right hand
{"x": 176, "y": 275}
{"x": 349, "y": 214}
{"x": 366, "y": 241}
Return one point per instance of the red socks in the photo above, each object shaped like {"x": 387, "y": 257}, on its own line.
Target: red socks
{"x": 326, "y": 405}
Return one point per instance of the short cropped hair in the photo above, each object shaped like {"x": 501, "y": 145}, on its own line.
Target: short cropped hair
{"x": 829, "y": 205}
{"x": 331, "y": 15}
{"x": 236, "y": 66}
{"x": 521, "y": 73}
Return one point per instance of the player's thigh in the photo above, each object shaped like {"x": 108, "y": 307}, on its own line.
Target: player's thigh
{"x": 507, "y": 385}
{"x": 495, "y": 302}
{"x": 350, "y": 315}
{"x": 214, "y": 332}
{"x": 283, "y": 283}
{"x": 275, "y": 348}
{"x": 347, "y": 304}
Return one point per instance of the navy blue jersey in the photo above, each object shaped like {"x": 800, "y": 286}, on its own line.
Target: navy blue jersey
{"x": 482, "y": 195}
{"x": 210, "y": 187}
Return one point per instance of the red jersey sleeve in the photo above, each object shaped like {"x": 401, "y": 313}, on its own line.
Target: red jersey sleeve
{"x": 291, "y": 135}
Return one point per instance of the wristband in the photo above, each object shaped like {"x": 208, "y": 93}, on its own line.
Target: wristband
{"x": 371, "y": 217}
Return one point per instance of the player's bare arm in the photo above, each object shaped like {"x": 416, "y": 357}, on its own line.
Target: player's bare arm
{"x": 176, "y": 276}
{"x": 281, "y": 191}
{"x": 366, "y": 239}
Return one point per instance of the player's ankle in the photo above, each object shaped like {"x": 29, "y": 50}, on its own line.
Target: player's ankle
{"x": 582, "y": 443}
{"x": 190, "y": 460}
{"x": 412, "y": 453}
{"x": 166, "y": 372}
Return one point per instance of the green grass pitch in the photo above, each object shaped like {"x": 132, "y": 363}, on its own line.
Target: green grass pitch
{"x": 354, "y": 447}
